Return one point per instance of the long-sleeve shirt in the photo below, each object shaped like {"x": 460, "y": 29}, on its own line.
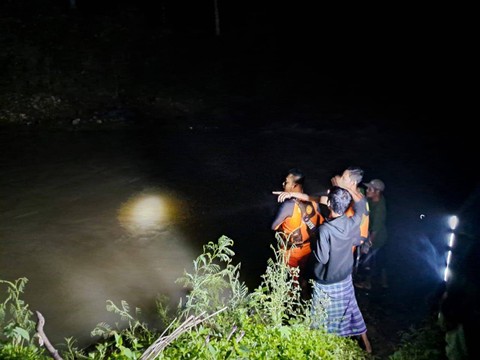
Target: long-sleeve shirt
{"x": 332, "y": 258}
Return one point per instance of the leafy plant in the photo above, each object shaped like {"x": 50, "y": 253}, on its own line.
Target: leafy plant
{"x": 272, "y": 322}
{"x": 278, "y": 298}
{"x": 211, "y": 286}
{"x": 219, "y": 319}
{"x": 18, "y": 328}
{"x": 127, "y": 342}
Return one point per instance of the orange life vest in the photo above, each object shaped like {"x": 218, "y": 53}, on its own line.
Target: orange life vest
{"x": 303, "y": 223}
{"x": 363, "y": 224}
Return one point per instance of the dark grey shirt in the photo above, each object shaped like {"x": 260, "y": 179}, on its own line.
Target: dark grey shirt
{"x": 332, "y": 257}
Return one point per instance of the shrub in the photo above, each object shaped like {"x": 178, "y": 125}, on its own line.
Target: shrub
{"x": 219, "y": 318}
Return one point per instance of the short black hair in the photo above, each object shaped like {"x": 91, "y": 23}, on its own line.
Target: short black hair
{"x": 339, "y": 199}
{"x": 299, "y": 176}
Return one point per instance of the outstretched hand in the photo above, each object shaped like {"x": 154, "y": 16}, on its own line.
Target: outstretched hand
{"x": 282, "y": 195}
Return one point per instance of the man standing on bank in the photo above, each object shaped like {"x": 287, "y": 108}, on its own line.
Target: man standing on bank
{"x": 297, "y": 221}
{"x": 334, "y": 306}
{"x": 373, "y": 264}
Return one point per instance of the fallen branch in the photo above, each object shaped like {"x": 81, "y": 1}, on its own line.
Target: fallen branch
{"x": 161, "y": 343}
{"x": 43, "y": 338}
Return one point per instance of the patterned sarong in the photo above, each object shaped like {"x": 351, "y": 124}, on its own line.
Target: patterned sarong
{"x": 335, "y": 308}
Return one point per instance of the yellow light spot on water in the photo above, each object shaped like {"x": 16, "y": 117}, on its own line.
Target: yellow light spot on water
{"x": 147, "y": 212}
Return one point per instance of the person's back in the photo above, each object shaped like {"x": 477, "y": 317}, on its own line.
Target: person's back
{"x": 297, "y": 221}
{"x": 333, "y": 291}
{"x": 336, "y": 238}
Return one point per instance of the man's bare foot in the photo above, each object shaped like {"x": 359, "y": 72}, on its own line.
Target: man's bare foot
{"x": 366, "y": 343}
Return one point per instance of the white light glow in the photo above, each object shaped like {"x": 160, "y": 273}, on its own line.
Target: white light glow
{"x": 446, "y": 274}
{"x": 147, "y": 213}
{"x": 449, "y": 257}
{"x": 451, "y": 241}
{"x": 453, "y": 222}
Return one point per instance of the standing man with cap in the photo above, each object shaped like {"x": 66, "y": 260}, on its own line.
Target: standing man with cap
{"x": 374, "y": 262}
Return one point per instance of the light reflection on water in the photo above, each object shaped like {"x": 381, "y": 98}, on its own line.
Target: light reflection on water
{"x": 67, "y": 199}
{"x": 147, "y": 212}
{"x": 71, "y": 275}
{"x": 64, "y": 228}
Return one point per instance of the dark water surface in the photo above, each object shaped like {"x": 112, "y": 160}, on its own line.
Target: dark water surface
{"x": 65, "y": 198}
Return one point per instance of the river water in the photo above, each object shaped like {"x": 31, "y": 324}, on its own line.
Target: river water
{"x": 71, "y": 203}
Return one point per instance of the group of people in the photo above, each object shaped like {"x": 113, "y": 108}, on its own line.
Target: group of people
{"x": 323, "y": 237}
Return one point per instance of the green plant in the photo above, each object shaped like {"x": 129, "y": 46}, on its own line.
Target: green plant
{"x": 278, "y": 298}
{"x": 211, "y": 286}
{"x": 218, "y": 320}
{"x": 123, "y": 343}
{"x": 18, "y": 328}
{"x": 270, "y": 323}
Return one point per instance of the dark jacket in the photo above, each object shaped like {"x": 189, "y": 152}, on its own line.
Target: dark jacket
{"x": 332, "y": 259}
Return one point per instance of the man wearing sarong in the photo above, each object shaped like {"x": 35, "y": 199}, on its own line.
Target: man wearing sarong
{"x": 334, "y": 306}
